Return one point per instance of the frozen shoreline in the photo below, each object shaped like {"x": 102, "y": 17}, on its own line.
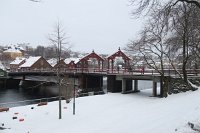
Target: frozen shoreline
{"x": 108, "y": 113}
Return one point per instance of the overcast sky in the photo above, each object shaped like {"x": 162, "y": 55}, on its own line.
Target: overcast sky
{"x": 102, "y": 25}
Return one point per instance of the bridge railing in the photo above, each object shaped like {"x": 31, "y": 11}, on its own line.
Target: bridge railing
{"x": 114, "y": 71}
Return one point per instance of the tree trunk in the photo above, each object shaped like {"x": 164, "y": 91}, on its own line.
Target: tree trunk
{"x": 164, "y": 84}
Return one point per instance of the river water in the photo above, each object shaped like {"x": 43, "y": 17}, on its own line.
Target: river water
{"x": 17, "y": 96}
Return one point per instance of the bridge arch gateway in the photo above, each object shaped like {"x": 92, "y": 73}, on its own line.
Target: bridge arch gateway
{"x": 91, "y": 61}
{"x": 119, "y": 53}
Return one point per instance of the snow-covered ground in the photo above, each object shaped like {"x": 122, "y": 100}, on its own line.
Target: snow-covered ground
{"x": 109, "y": 113}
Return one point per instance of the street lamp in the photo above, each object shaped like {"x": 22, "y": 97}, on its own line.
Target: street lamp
{"x": 74, "y": 96}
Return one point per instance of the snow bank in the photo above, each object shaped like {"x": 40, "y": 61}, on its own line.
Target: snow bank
{"x": 109, "y": 113}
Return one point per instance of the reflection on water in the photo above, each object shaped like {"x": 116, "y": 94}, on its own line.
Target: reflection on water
{"x": 15, "y": 95}
{"x": 12, "y": 95}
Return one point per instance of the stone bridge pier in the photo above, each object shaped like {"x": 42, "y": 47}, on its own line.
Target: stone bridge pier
{"x": 90, "y": 83}
{"x": 125, "y": 84}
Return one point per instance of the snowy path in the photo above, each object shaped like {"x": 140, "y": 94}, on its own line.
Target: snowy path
{"x": 109, "y": 113}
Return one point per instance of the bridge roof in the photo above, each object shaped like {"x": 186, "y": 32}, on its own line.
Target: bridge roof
{"x": 92, "y": 55}
{"x": 119, "y": 53}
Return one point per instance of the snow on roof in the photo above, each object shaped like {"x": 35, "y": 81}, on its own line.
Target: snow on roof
{"x": 17, "y": 61}
{"x": 12, "y": 51}
{"x": 30, "y": 61}
{"x": 20, "y": 48}
{"x": 13, "y": 48}
{"x": 68, "y": 60}
{"x": 52, "y": 61}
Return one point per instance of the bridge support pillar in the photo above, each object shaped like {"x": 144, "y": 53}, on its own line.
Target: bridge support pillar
{"x": 129, "y": 85}
{"x": 123, "y": 85}
{"x": 161, "y": 88}
{"x": 114, "y": 85}
{"x": 23, "y": 78}
{"x": 91, "y": 83}
{"x": 154, "y": 88}
{"x": 126, "y": 86}
{"x": 136, "y": 86}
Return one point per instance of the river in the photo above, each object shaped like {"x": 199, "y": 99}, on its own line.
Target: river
{"x": 23, "y": 95}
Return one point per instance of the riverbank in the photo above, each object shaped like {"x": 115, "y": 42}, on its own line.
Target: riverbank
{"x": 109, "y": 113}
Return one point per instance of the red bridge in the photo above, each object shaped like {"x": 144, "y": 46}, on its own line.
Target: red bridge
{"x": 90, "y": 70}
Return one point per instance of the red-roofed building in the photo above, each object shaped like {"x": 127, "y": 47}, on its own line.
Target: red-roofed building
{"x": 35, "y": 64}
{"x": 14, "y": 65}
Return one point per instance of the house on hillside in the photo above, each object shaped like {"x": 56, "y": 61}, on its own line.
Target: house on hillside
{"x": 14, "y": 65}
{"x": 12, "y": 53}
{"x": 35, "y": 64}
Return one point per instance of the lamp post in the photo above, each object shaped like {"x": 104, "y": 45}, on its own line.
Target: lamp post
{"x": 74, "y": 96}
{"x": 58, "y": 76}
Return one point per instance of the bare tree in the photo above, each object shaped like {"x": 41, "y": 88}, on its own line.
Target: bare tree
{"x": 152, "y": 45}
{"x": 58, "y": 38}
{"x": 148, "y": 5}
{"x": 185, "y": 31}
{"x": 177, "y": 15}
